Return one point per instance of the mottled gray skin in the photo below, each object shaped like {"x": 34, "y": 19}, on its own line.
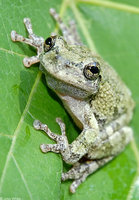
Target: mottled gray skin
{"x": 101, "y": 108}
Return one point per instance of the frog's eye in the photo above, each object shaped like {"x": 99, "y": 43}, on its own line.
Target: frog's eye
{"x": 91, "y": 71}
{"x": 49, "y": 43}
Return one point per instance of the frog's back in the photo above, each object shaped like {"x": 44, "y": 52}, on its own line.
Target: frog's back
{"x": 113, "y": 98}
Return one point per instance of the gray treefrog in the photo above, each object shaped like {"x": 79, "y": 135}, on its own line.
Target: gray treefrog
{"x": 93, "y": 94}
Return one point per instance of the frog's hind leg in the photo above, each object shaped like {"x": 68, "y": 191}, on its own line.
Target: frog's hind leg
{"x": 33, "y": 40}
{"x": 70, "y": 33}
{"x": 104, "y": 153}
{"x": 79, "y": 172}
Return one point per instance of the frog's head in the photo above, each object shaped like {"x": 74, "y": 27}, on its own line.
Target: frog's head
{"x": 70, "y": 69}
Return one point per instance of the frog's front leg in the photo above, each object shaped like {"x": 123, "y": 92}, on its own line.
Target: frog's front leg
{"x": 70, "y": 32}
{"x": 61, "y": 140}
{"x": 33, "y": 40}
{"x": 71, "y": 153}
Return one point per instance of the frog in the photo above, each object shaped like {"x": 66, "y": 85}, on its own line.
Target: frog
{"x": 93, "y": 94}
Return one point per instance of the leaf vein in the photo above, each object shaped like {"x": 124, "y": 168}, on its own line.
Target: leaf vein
{"x": 18, "y": 128}
{"x": 108, "y": 4}
{"x": 6, "y": 135}
{"x": 12, "y": 52}
{"x": 22, "y": 176}
{"x": 83, "y": 27}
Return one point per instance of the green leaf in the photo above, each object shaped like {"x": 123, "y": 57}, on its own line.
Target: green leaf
{"x": 25, "y": 173}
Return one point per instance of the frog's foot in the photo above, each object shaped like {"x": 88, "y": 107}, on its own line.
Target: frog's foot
{"x": 70, "y": 33}
{"x": 33, "y": 40}
{"x": 80, "y": 171}
{"x": 62, "y": 142}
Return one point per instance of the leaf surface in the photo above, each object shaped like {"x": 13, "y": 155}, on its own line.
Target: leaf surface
{"x": 25, "y": 172}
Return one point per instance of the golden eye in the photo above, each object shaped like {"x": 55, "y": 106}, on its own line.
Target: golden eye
{"x": 49, "y": 43}
{"x": 91, "y": 71}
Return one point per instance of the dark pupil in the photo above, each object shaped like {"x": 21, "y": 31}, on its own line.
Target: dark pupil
{"x": 94, "y": 70}
{"x": 48, "y": 41}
